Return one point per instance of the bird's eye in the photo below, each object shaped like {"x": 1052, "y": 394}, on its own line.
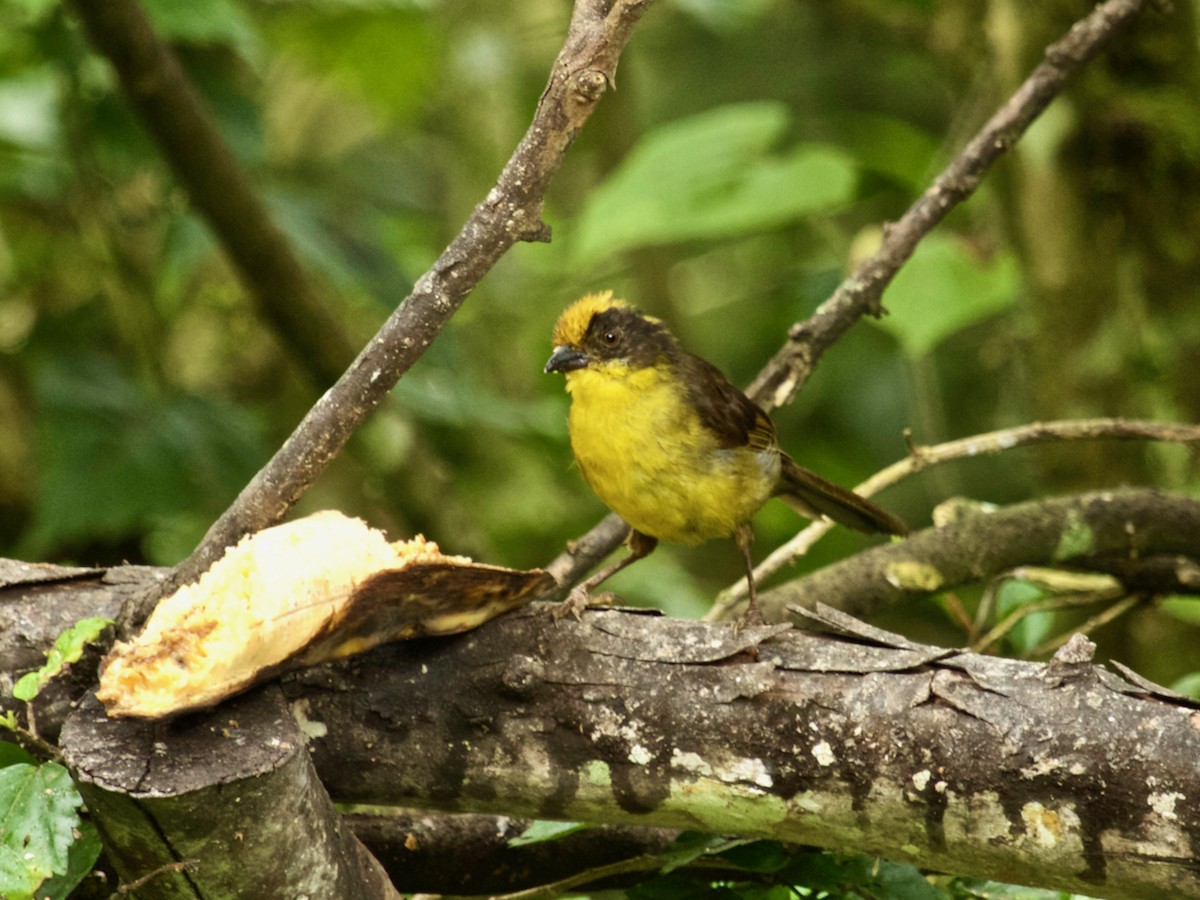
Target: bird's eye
{"x": 612, "y": 338}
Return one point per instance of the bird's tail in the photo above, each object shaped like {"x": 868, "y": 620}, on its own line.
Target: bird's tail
{"x": 818, "y": 498}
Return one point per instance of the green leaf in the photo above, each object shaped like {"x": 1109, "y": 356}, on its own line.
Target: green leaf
{"x": 116, "y": 457}
{"x": 203, "y": 22}
{"x": 81, "y": 857}
{"x": 725, "y": 15}
{"x": 1033, "y": 628}
{"x": 691, "y": 845}
{"x": 1186, "y": 609}
{"x": 996, "y": 890}
{"x": 540, "y": 831}
{"x": 1188, "y": 685}
{"x": 67, "y": 649}
{"x": 27, "y": 686}
{"x": 12, "y": 754}
{"x": 17, "y": 880}
{"x": 759, "y": 856}
{"x": 38, "y": 824}
{"x": 904, "y": 881}
{"x": 29, "y": 111}
{"x": 712, "y": 176}
{"x": 943, "y": 289}
{"x": 891, "y": 147}
{"x": 35, "y": 10}
{"x": 846, "y": 875}
{"x": 677, "y": 885}
{"x": 384, "y": 55}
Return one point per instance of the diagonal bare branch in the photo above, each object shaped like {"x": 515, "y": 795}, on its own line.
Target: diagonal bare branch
{"x": 511, "y": 212}
{"x": 860, "y": 294}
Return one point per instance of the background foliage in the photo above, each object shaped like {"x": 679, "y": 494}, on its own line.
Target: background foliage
{"x": 749, "y": 156}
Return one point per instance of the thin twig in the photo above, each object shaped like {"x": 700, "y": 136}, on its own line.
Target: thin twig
{"x": 1050, "y": 604}
{"x": 584, "y": 553}
{"x": 646, "y": 862}
{"x": 988, "y": 444}
{"x": 860, "y": 293}
{"x": 28, "y": 738}
{"x": 1061, "y": 582}
{"x": 1103, "y": 617}
{"x": 1147, "y": 539}
{"x": 166, "y": 869}
{"x": 565, "y": 885}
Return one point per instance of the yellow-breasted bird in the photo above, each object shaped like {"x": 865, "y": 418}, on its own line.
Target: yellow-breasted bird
{"x": 671, "y": 446}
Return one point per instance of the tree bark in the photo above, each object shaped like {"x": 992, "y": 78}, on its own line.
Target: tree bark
{"x": 1147, "y": 539}
{"x": 224, "y": 805}
{"x": 1060, "y": 774}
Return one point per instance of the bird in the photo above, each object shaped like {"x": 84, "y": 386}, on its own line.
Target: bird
{"x": 671, "y": 446}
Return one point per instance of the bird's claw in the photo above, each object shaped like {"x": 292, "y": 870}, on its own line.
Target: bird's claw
{"x": 579, "y": 599}
{"x": 751, "y": 617}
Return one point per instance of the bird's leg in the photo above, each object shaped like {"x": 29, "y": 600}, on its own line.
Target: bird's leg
{"x": 581, "y": 595}
{"x": 744, "y": 537}
{"x": 639, "y": 545}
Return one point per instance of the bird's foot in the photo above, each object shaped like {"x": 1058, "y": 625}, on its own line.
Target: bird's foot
{"x": 751, "y": 617}
{"x": 580, "y": 599}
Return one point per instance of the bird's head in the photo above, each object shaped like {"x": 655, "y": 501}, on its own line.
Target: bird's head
{"x": 599, "y": 332}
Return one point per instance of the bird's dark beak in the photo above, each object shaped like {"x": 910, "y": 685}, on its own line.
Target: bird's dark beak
{"x": 566, "y": 359}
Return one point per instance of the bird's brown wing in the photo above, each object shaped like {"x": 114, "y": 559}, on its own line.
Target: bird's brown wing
{"x": 730, "y": 415}
{"x": 736, "y": 421}
{"x": 813, "y": 496}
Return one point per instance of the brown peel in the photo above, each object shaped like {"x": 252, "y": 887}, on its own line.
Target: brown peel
{"x": 301, "y": 593}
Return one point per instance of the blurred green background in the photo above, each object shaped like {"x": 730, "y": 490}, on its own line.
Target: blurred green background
{"x": 748, "y": 158}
